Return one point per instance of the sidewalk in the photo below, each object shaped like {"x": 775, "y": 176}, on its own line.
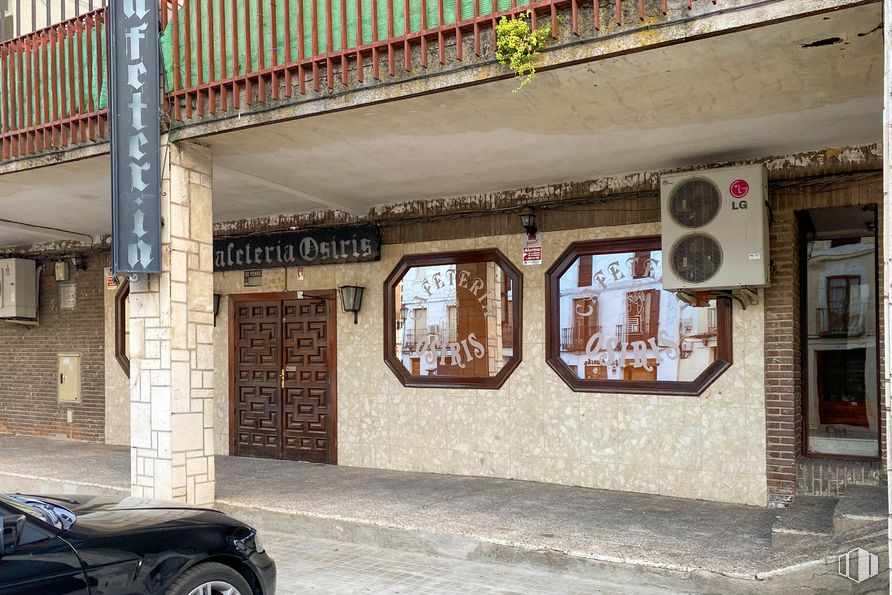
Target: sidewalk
{"x": 322, "y": 566}
{"x": 688, "y": 545}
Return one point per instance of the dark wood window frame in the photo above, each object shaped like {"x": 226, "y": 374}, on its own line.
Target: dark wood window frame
{"x": 696, "y": 387}
{"x": 121, "y": 297}
{"x": 460, "y": 257}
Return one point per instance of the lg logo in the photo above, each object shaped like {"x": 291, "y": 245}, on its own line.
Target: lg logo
{"x": 739, "y": 189}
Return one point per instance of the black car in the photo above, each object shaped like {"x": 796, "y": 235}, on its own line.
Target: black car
{"x": 99, "y": 545}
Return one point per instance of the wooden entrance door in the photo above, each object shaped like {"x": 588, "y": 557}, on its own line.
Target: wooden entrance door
{"x": 282, "y": 377}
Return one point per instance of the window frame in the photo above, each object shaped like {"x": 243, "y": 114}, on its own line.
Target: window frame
{"x": 405, "y": 376}
{"x": 121, "y": 296}
{"x": 696, "y": 387}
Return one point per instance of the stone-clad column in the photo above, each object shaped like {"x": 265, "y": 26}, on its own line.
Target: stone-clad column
{"x": 171, "y": 342}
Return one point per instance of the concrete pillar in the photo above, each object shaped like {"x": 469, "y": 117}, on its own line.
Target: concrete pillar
{"x": 171, "y": 342}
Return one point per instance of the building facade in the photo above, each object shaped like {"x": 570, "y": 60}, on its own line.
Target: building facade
{"x": 401, "y": 167}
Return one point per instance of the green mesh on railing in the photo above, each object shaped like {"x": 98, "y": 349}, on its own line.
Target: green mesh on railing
{"x": 70, "y": 77}
{"x": 253, "y": 9}
{"x": 227, "y": 25}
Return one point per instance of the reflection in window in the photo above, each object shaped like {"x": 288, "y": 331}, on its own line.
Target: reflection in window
{"x": 617, "y": 324}
{"x": 460, "y": 319}
{"x": 647, "y": 333}
{"x": 840, "y": 304}
{"x": 457, "y": 319}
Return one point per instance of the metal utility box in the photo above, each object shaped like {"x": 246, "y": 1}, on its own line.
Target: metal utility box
{"x": 715, "y": 229}
{"x": 69, "y": 378}
{"x": 18, "y": 289}
{"x": 61, "y": 270}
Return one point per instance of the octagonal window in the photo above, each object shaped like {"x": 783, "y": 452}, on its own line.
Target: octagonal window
{"x": 453, "y": 319}
{"x": 612, "y": 328}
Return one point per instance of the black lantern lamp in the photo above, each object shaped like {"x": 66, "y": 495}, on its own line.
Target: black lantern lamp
{"x": 217, "y": 297}
{"x": 404, "y": 312}
{"x": 528, "y": 222}
{"x": 351, "y": 299}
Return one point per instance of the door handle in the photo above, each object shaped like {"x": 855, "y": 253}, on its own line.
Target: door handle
{"x": 282, "y": 375}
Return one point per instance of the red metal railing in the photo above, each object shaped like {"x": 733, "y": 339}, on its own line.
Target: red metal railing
{"x": 21, "y": 17}
{"x": 219, "y": 54}
{"x": 52, "y": 87}
{"x": 223, "y": 52}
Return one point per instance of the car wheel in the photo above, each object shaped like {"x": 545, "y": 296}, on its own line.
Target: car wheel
{"x": 210, "y": 578}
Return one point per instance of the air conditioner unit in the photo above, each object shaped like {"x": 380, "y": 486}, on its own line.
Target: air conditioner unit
{"x": 18, "y": 289}
{"x": 715, "y": 229}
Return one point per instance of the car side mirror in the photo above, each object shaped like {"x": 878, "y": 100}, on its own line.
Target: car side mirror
{"x": 11, "y": 526}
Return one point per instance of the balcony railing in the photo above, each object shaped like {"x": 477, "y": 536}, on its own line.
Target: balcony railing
{"x": 52, "y": 87}
{"x": 637, "y": 331}
{"x": 575, "y": 339}
{"x": 412, "y": 339}
{"x": 839, "y": 322}
{"x": 21, "y": 17}
{"x": 220, "y": 55}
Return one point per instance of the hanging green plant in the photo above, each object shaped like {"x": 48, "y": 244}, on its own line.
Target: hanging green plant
{"x": 517, "y": 45}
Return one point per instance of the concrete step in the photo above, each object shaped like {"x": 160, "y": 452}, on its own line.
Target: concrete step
{"x": 807, "y": 518}
{"x": 860, "y": 506}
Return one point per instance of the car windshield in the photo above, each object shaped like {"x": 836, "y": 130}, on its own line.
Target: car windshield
{"x": 53, "y": 514}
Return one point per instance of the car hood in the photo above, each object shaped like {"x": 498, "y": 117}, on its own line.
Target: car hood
{"x": 90, "y": 504}
{"x": 112, "y": 514}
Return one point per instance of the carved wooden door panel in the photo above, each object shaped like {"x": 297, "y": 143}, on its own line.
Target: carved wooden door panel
{"x": 283, "y": 378}
{"x": 308, "y": 363}
{"x": 256, "y": 370}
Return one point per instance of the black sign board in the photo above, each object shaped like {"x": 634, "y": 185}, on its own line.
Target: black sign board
{"x": 135, "y": 100}
{"x": 298, "y": 248}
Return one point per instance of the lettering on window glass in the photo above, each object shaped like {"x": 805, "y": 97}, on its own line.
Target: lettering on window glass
{"x": 453, "y": 319}
{"x": 612, "y": 326}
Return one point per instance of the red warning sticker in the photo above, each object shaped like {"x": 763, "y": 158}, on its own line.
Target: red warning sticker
{"x": 739, "y": 188}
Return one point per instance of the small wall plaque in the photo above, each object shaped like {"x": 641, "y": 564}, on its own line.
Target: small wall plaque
{"x": 254, "y": 278}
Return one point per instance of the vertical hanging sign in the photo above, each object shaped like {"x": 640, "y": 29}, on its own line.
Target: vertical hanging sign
{"x": 135, "y": 99}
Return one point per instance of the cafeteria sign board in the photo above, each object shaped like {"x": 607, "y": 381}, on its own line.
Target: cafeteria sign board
{"x": 134, "y": 118}
{"x": 298, "y": 248}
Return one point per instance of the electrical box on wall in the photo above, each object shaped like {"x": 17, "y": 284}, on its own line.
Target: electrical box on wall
{"x": 61, "y": 270}
{"x": 69, "y": 378}
{"x": 18, "y": 289}
{"x": 715, "y": 229}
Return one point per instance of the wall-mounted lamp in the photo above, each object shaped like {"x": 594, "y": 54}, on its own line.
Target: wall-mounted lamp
{"x": 351, "y": 299}
{"x": 528, "y": 222}
{"x": 404, "y": 313}
{"x": 217, "y": 297}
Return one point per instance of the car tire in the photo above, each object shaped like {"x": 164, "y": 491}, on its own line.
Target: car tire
{"x": 222, "y": 579}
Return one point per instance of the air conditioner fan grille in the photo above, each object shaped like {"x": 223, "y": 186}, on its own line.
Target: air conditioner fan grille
{"x": 694, "y": 202}
{"x": 696, "y": 258}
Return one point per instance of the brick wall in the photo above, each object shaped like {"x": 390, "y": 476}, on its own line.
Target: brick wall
{"x": 783, "y": 342}
{"x": 29, "y": 361}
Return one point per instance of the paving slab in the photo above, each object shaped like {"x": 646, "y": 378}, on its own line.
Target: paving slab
{"x": 623, "y": 537}
{"x": 807, "y": 518}
{"x": 861, "y": 505}
{"x": 312, "y": 565}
